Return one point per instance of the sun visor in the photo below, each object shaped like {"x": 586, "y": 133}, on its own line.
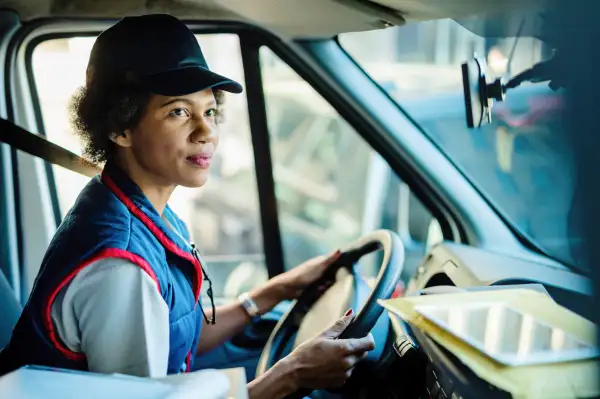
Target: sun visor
{"x": 529, "y": 22}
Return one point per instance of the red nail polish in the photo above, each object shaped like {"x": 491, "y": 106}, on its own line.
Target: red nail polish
{"x": 348, "y": 312}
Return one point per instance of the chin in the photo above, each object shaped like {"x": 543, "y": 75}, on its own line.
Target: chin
{"x": 196, "y": 181}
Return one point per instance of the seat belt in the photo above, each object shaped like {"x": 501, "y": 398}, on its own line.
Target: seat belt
{"x": 38, "y": 146}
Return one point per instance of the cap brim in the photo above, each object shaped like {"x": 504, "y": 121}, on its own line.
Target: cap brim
{"x": 181, "y": 82}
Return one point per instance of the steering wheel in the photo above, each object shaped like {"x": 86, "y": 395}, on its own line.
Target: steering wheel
{"x": 311, "y": 313}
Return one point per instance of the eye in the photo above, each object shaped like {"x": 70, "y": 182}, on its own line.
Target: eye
{"x": 179, "y": 112}
{"x": 211, "y": 113}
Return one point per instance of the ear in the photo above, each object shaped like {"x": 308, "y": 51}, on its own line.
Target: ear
{"x": 121, "y": 139}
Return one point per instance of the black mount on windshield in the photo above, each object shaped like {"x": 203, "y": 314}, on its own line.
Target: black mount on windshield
{"x": 480, "y": 94}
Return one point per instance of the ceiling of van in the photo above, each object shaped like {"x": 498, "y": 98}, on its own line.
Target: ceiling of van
{"x": 288, "y": 17}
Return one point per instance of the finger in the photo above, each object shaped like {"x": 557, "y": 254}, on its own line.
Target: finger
{"x": 359, "y": 345}
{"x": 348, "y": 374}
{"x": 357, "y": 359}
{"x": 324, "y": 287}
{"x": 350, "y": 361}
{"x": 340, "y": 379}
{"x": 338, "y": 382}
{"x": 328, "y": 283}
{"x": 339, "y": 326}
{"x": 321, "y": 290}
{"x": 332, "y": 257}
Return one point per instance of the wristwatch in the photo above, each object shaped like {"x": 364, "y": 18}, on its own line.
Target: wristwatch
{"x": 249, "y": 306}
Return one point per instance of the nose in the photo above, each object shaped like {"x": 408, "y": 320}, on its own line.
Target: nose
{"x": 204, "y": 132}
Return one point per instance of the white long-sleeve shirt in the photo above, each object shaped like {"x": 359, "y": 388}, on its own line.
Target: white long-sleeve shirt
{"x": 112, "y": 312}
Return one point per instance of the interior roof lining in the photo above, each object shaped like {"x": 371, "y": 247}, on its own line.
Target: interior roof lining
{"x": 293, "y": 18}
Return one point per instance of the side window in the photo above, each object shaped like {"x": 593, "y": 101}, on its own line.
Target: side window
{"x": 223, "y": 216}
{"x": 331, "y": 186}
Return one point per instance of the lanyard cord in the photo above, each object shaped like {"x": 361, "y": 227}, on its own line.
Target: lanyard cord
{"x": 209, "y": 291}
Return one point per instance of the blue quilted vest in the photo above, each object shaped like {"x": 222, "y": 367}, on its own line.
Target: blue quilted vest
{"x": 112, "y": 218}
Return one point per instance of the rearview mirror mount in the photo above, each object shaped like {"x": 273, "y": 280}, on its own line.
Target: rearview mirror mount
{"x": 479, "y": 95}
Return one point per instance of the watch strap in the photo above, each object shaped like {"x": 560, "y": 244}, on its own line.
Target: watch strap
{"x": 249, "y": 306}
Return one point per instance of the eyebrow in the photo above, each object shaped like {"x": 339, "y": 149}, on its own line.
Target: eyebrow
{"x": 184, "y": 100}
{"x": 176, "y": 100}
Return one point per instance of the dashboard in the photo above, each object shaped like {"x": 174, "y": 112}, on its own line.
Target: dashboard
{"x": 415, "y": 366}
{"x": 465, "y": 267}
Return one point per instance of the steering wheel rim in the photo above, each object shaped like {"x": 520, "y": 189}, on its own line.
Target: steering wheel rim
{"x": 389, "y": 274}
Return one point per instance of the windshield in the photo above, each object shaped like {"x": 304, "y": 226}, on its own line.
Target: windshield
{"x": 521, "y": 162}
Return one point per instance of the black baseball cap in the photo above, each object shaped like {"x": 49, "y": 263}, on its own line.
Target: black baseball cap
{"x": 160, "y": 52}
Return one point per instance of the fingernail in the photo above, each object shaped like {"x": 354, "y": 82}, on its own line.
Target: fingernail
{"x": 348, "y": 312}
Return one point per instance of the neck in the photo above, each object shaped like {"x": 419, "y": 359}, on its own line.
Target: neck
{"x": 154, "y": 188}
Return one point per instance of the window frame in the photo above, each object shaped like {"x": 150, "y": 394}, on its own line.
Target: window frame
{"x": 9, "y": 222}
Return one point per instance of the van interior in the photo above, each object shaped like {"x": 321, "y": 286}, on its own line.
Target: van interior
{"x": 353, "y": 132}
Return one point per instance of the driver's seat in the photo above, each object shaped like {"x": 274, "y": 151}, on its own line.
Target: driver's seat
{"x": 10, "y": 310}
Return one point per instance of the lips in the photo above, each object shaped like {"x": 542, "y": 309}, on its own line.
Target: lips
{"x": 200, "y": 160}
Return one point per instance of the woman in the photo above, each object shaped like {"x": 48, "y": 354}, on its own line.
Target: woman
{"x": 119, "y": 287}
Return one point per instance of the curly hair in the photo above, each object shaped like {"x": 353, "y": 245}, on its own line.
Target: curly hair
{"x": 108, "y": 106}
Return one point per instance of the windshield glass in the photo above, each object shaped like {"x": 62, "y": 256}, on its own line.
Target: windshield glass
{"x": 521, "y": 162}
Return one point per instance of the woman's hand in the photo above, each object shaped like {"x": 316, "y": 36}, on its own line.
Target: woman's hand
{"x": 324, "y": 361}
{"x": 289, "y": 285}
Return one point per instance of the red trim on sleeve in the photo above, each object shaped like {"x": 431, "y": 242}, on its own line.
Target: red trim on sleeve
{"x": 188, "y": 362}
{"x": 103, "y": 254}
{"x": 158, "y": 233}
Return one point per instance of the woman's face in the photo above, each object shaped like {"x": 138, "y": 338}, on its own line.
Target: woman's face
{"x": 176, "y": 138}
